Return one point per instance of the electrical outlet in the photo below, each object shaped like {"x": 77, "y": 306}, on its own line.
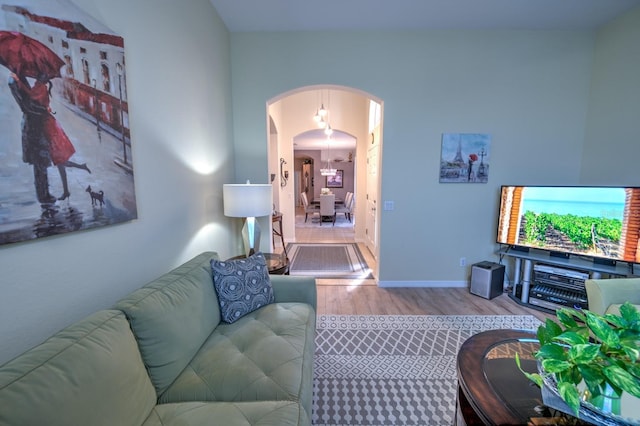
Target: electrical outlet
{"x": 463, "y": 261}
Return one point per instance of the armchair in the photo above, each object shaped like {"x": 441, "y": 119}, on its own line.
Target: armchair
{"x": 606, "y": 295}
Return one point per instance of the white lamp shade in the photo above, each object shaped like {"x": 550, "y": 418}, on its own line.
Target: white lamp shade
{"x": 247, "y": 200}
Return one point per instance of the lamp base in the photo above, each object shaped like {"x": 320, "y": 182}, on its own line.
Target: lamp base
{"x": 251, "y": 236}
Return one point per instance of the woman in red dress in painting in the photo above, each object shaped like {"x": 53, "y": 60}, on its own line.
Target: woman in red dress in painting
{"x": 60, "y": 147}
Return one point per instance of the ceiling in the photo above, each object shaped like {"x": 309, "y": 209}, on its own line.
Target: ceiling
{"x": 332, "y": 15}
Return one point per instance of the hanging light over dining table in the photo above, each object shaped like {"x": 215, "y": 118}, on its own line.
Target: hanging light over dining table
{"x": 329, "y": 170}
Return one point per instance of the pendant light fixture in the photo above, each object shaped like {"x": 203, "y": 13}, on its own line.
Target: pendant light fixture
{"x": 328, "y": 171}
{"x": 322, "y": 120}
{"x": 325, "y": 116}
{"x": 321, "y": 113}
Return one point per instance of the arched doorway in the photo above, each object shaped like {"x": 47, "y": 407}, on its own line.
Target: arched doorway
{"x": 314, "y": 152}
{"x": 350, "y": 112}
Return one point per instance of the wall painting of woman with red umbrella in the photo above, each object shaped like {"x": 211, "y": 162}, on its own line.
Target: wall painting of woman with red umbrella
{"x": 52, "y": 120}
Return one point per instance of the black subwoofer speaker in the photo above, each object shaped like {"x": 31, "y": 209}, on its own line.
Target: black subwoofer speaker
{"x": 487, "y": 279}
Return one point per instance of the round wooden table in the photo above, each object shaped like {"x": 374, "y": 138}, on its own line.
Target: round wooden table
{"x": 491, "y": 389}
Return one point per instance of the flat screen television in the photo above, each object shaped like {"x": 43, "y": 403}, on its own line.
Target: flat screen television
{"x": 602, "y": 223}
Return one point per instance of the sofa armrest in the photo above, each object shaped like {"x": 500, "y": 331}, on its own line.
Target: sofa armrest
{"x": 287, "y": 288}
{"x": 602, "y": 293}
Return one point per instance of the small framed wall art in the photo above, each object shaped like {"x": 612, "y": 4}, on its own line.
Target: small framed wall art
{"x": 465, "y": 158}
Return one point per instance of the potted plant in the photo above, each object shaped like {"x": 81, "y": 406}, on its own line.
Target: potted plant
{"x": 590, "y": 356}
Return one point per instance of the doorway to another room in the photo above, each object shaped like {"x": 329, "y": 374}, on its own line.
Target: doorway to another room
{"x": 320, "y": 140}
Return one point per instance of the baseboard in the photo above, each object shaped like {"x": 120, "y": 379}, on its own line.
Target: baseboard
{"x": 423, "y": 284}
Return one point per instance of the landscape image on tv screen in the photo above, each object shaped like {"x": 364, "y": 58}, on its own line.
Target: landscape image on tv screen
{"x": 599, "y": 222}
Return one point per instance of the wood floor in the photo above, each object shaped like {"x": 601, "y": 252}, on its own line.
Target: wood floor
{"x": 352, "y": 297}
{"x": 364, "y": 300}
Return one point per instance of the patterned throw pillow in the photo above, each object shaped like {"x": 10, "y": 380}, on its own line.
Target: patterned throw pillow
{"x": 243, "y": 285}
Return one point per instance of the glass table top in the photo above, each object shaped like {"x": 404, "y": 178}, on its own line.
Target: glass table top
{"x": 519, "y": 394}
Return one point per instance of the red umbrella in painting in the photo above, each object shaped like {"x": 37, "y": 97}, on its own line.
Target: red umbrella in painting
{"x": 27, "y": 57}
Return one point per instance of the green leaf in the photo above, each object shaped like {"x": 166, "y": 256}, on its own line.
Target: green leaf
{"x": 548, "y": 331}
{"x": 617, "y": 321}
{"x": 552, "y": 351}
{"x": 571, "y": 338}
{"x": 632, "y": 353}
{"x": 534, "y": 377}
{"x": 566, "y": 317}
{"x": 570, "y": 375}
{"x": 555, "y": 366}
{"x": 621, "y": 378}
{"x": 602, "y": 330}
{"x": 592, "y": 375}
{"x": 584, "y": 353}
{"x": 569, "y": 393}
{"x": 629, "y": 338}
{"x": 630, "y": 317}
{"x": 634, "y": 370}
{"x": 629, "y": 313}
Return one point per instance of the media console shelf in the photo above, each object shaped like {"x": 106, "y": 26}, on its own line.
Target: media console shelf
{"x": 525, "y": 260}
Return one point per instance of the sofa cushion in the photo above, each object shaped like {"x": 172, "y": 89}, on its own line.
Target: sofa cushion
{"x": 172, "y": 316}
{"x": 243, "y": 285}
{"x": 90, "y": 373}
{"x": 272, "y": 413}
{"x": 265, "y": 355}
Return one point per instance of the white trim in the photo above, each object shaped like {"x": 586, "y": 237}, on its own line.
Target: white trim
{"x": 423, "y": 284}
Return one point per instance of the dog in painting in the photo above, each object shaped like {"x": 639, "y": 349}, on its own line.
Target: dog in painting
{"x": 96, "y": 197}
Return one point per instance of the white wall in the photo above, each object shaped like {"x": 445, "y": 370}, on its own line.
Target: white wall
{"x": 178, "y": 77}
{"x": 612, "y": 146}
{"x": 528, "y": 89}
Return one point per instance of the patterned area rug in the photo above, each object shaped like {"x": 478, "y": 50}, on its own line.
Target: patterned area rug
{"x": 328, "y": 261}
{"x": 394, "y": 369}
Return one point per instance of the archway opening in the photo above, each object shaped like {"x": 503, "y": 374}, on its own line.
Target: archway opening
{"x": 354, "y": 121}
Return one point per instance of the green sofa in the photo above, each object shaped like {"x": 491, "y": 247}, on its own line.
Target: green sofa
{"x": 605, "y": 296}
{"x": 162, "y": 356}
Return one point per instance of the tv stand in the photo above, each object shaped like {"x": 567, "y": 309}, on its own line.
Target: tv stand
{"x": 525, "y": 261}
{"x": 609, "y": 262}
{"x": 559, "y": 254}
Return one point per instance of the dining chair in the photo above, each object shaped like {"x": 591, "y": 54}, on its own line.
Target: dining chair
{"x": 352, "y": 206}
{"x": 346, "y": 206}
{"x": 308, "y": 208}
{"x": 328, "y": 207}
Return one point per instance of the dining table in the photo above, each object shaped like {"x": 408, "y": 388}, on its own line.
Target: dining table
{"x": 337, "y": 201}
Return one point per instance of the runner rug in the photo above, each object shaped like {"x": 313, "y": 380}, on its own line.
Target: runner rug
{"x": 394, "y": 369}
{"x": 329, "y": 260}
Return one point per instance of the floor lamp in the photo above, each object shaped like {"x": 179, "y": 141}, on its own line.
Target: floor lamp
{"x": 248, "y": 201}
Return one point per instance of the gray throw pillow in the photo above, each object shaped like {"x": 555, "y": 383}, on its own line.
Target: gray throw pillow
{"x": 243, "y": 285}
